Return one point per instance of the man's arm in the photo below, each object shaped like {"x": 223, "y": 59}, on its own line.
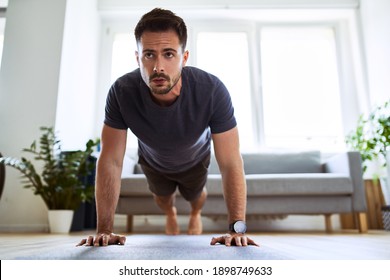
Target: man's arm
{"x": 108, "y": 183}
{"x": 228, "y": 156}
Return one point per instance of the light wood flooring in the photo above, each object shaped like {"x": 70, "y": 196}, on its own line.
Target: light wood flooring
{"x": 340, "y": 245}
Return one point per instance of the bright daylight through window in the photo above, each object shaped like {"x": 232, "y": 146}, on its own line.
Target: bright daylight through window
{"x": 123, "y": 57}
{"x": 124, "y": 61}
{"x": 225, "y": 54}
{"x": 300, "y": 97}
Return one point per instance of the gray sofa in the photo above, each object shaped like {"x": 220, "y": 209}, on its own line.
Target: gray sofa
{"x": 281, "y": 183}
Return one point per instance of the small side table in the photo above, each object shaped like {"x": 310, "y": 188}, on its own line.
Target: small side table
{"x": 375, "y": 201}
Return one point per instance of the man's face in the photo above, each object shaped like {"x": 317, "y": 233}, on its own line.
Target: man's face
{"x": 161, "y": 59}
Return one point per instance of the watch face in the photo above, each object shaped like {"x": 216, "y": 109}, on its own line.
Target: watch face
{"x": 239, "y": 227}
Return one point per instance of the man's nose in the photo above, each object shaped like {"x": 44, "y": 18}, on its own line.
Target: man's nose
{"x": 158, "y": 67}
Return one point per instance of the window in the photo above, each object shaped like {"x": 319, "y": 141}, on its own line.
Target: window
{"x": 295, "y": 78}
{"x": 123, "y": 55}
{"x": 300, "y": 89}
{"x": 124, "y": 61}
{"x": 225, "y": 54}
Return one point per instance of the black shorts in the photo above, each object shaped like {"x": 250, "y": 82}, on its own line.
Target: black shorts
{"x": 190, "y": 182}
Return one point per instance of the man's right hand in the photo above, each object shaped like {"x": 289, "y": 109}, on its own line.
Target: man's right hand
{"x": 103, "y": 239}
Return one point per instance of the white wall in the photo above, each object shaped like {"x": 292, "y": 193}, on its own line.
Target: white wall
{"x": 375, "y": 17}
{"x": 47, "y": 78}
{"x": 28, "y": 97}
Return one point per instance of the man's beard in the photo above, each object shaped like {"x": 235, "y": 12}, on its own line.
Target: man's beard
{"x": 168, "y": 88}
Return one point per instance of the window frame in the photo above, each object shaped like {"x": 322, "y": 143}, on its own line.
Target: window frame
{"x": 320, "y": 24}
{"x": 350, "y": 60}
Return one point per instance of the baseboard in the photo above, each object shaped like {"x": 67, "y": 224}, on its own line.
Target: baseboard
{"x": 156, "y": 223}
{"x": 22, "y": 228}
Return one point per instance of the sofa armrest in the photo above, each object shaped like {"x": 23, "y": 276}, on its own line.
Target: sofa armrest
{"x": 350, "y": 163}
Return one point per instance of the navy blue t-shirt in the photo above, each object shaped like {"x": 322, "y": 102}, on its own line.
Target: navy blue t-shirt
{"x": 174, "y": 138}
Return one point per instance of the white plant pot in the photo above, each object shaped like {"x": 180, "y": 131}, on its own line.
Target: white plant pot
{"x": 60, "y": 221}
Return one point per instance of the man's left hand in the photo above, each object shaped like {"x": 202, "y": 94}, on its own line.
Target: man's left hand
{"x": 234, "y": 239}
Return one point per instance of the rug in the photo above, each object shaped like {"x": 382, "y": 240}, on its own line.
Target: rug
{"x": 155, "y": 247}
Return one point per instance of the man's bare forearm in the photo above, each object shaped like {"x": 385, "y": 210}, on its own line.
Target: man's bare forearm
{"x": 107, "y": 194}
{"x": 234, "y": 186}
{"x": 227, "y": 152}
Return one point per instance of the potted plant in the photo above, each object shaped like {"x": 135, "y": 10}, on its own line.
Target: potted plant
{"x": 372, "y": 136}
{"x": 372, "y": 139}
{"x": 62, "y": 182}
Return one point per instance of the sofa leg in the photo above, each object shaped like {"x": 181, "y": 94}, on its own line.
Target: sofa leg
{"x": 328, "y": 223}
{"x": 129, "y": 224}
{"x": 362, "y": 222}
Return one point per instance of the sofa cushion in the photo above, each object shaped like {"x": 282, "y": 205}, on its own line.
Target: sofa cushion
{"x": 262, "y": 185}
{"x": 138, "y": 169}
{"x": 308, "y": 184}
{"x": 277, "y": 163}
{"x": 134, "y": 185}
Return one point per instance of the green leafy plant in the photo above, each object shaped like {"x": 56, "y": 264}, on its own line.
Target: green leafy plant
{"x": 372, "y": 135}
{"x": 63, "y": 182}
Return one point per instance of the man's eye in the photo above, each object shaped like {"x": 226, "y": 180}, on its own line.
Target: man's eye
{"x": 148, "y": 55}
{"x": 169, "y": 54}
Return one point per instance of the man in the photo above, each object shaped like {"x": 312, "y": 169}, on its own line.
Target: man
{"x": 174, "y": 111}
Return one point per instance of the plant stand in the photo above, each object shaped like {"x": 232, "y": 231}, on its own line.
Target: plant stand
{"x": 60, "y": 220}
{"x": 375, "y": 201}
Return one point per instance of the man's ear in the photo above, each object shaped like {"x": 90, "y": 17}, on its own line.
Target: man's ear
{"x": 185, "y": 58}
{"x": 137, "y": 57}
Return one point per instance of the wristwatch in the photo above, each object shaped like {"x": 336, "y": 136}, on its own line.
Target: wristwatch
{"x": 237, "y": 227}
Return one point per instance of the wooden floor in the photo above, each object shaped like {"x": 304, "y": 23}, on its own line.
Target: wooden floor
{"x": 341, "y": 245}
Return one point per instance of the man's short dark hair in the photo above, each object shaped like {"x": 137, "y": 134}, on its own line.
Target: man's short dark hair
{"x": 160, "y": 20}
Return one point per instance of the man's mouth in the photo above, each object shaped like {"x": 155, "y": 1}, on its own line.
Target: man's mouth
{"x": 159, "y": 80}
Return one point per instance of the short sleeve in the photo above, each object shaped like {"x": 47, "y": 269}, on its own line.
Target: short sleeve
{"x": 222, "y": 118}
{"x": 113, "y": 116}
